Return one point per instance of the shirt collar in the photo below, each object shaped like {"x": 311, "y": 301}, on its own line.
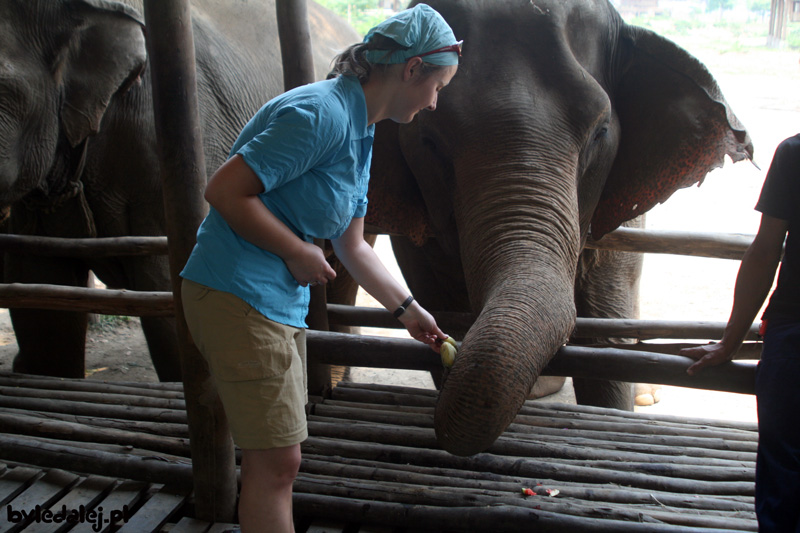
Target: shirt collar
{"x": 358, "y": 105}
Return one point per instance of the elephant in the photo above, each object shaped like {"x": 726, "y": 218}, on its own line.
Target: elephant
{"x": 563, "y": 121}
{"x": 78, "y": 155}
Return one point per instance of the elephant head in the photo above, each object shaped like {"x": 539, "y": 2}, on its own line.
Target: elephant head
{"x": 56, "y": 86}
{"x": 562, "y": 120}
{"x": 78, "y": 147}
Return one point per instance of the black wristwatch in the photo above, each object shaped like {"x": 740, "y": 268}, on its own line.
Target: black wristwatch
{"x": 403, "y": 306}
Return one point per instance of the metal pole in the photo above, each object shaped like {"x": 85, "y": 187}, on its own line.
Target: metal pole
{"x": 171, "y": 49}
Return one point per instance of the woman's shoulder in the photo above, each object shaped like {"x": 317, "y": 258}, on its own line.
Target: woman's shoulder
{"x": 790, "y": 146}
{"x": 325, "y": 100}
{"x": 318, "y": 109}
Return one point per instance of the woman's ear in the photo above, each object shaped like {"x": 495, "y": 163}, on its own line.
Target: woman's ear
{"x": 412, "y": 68}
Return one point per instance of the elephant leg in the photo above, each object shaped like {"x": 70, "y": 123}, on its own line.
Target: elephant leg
{"x": 436, "y": 280}
{"x": 546, "y": 385}
{"x": 646, "y": 394}
{"x": 162, "y": 342}
{"x": 5, "y": 214}
{"x": 607, "y": 286}
{"x": 603, "y": 393}
{"x": 150, "y": 273}
{"x": 51, "y": 343}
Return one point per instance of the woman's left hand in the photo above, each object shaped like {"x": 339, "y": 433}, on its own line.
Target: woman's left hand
{"x": 422, "y": 326}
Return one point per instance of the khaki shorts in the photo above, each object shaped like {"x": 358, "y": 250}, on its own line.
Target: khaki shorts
{"x": 258, "y": 367}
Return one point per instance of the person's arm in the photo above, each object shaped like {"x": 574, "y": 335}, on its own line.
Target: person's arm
{"x": 233, "y": 191}
{"x": 753, "y": 282}
{"x": 367, "y": 270}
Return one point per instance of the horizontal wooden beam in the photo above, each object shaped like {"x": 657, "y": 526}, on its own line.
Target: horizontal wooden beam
{"x": 97, "y": 247}
{"x": 715, "y": 245}
{"x": 347, "y": 315}
{"x": 577, "y": 361}
{"x": 141, "y": 303}
{"x": 100, "y": 301}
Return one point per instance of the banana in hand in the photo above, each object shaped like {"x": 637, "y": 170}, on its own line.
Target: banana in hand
{"x": 448, "y": 351}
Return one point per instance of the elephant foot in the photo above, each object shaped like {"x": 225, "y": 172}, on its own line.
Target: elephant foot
{"x": 36, "y": 367}
{"x": 646, "y": 394}
{"x": 339, "y": 374}
{"x": 545, "y": 386}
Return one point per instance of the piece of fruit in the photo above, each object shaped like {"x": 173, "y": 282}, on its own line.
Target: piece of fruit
{"x": 448, "y": 351}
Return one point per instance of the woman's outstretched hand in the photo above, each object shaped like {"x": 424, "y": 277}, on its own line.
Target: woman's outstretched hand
{"x": 422, "y": 326}
{"x": 708, "y": 355}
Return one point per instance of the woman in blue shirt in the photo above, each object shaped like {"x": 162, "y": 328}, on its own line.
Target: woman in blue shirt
{"x": 298, "y": 171}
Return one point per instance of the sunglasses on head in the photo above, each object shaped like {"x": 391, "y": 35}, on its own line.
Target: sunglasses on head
{"x": 452, "y": 48}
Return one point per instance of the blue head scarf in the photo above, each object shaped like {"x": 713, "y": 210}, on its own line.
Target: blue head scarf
{"x": 421, "y": 29}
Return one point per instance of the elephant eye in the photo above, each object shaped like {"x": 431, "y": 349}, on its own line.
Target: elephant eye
{"x": 600, "y": 133}
{"x": 429, "y": 143}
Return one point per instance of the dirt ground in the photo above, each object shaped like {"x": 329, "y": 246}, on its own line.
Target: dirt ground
{"x": 762, "y": 88}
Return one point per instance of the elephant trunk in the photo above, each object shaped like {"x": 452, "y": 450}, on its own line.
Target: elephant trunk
{"x": 519, "y": 246}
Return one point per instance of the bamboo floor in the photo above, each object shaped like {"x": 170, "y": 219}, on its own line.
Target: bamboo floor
{"x": 371, "y": 464}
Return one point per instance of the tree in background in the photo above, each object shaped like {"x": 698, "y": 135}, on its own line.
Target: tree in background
{"x": 363, "y": 14}
{"x": 778, "y": 23}
{"x": 721, "y": 5}
{"x": 759, "y": 7}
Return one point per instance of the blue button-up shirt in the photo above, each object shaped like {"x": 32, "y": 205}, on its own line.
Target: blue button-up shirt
{"x": 311, "y": 148}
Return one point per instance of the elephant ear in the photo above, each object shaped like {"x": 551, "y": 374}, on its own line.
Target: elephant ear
{"x": 675, "y": 128}
{"x": 106, "y": 55}
{"x": 396, "y": 204}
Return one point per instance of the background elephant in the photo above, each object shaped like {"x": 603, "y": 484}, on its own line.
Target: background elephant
{"x": 561, "y": 120}
{"x": 77, "y": 142}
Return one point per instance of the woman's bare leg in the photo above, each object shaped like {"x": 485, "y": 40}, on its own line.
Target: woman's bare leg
{"x": 265, "y": 503}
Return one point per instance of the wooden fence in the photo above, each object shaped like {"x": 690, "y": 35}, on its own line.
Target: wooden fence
{"x": 640, "y": 362}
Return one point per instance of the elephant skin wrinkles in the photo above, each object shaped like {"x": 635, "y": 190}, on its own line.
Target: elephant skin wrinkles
{"x": 74, "y": 73}
{"x": 561, "y": 120}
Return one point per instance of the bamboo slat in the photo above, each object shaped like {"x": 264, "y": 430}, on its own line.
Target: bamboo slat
{"x": 88, "y": 493}
{"x": 354, "y": 468}
{"x": 156, "y": 511}
{"x": 394, "y": 492}
{"x": 125, "y": 494}
{"x": 373, "y": 446}
{"x": 498, "y": 519}
{"x": 160, "y": 390}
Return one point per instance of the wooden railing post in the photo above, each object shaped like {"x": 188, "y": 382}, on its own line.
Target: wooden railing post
{"x": 172, "y": 62}
{"x": 298, "y": 69}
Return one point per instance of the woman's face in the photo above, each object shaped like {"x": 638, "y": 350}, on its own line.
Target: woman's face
{"x": 420, "y": 91}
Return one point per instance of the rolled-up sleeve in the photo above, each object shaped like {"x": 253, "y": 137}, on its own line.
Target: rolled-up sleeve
{"x": 295, "y": 140}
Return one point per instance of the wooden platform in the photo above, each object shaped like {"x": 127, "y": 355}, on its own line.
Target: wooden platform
{"x": 371, "y": 464}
